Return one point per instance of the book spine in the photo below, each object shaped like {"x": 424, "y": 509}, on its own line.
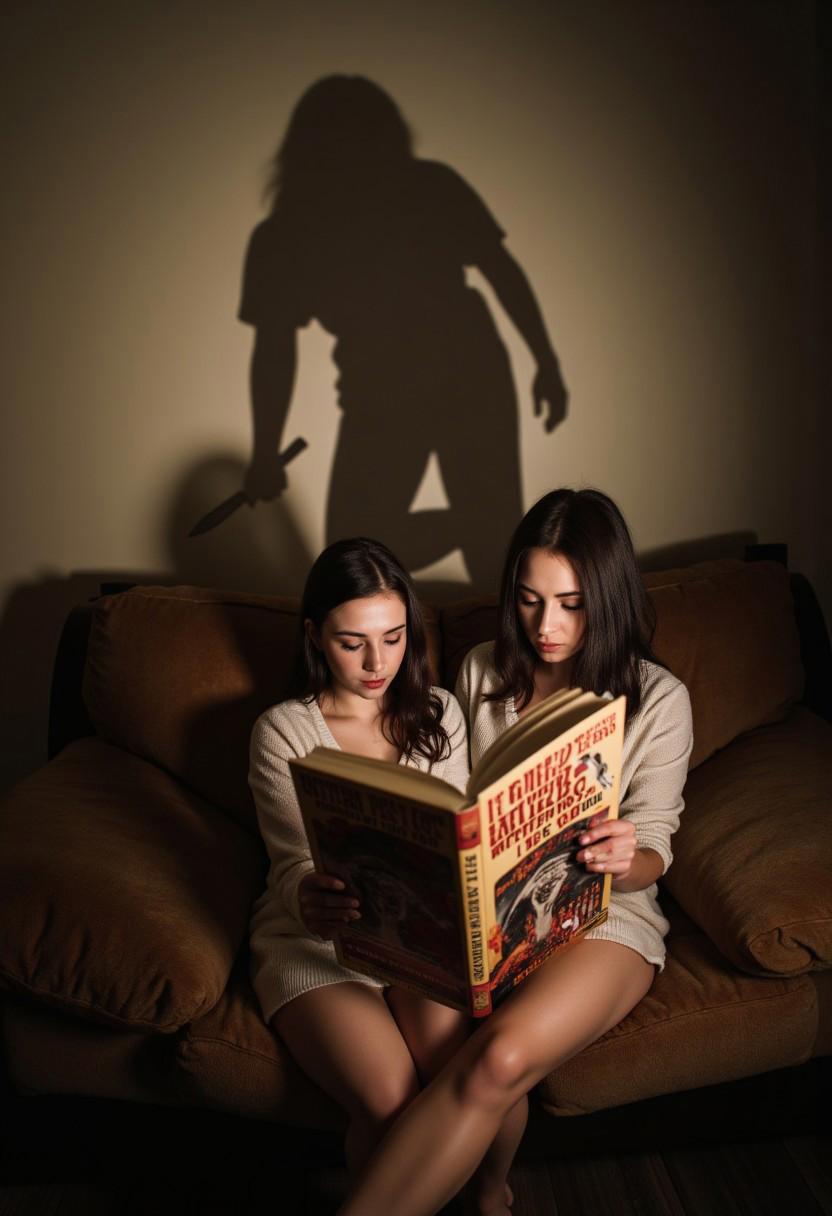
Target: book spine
{"x": 469, "y": 853}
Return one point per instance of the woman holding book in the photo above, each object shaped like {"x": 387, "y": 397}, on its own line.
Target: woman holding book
{"x": 573, "y": 613}
{"x": 360, "y": 682}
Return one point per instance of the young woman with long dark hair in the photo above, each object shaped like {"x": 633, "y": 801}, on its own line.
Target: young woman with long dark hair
{"x": 573, "y": 612}
{"x": 360, "y": 682}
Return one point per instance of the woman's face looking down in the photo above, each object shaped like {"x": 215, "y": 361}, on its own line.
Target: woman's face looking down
{"x": 363, "y": 642}
{"x": 550, "y": 606}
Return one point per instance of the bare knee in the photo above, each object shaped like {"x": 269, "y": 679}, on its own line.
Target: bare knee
{"x": 433, "y": 1033}
{"x": 371, "y": 1112}
{"x": 384, "y": 1097}
{"x": 497, "y": 1075}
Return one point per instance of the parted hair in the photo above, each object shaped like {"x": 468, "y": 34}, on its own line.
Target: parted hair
{"x": 587, "y": 528}
{"x": 356, "y": 569}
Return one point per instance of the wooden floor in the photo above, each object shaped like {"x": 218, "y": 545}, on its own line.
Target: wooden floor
{"x": 777, "y": 1178}
{"x": 70, "y": 1158}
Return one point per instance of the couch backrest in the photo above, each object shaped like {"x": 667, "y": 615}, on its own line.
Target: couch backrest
{"x": 727, "y": 629}
{"x": 179, "y": 675}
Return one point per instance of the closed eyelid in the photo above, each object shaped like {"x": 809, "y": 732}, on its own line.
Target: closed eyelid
{"x": 363, "y": 637}
{"x": 565, "y": 598}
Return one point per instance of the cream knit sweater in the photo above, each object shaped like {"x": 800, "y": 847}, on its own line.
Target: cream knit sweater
{"x": 657, "y": 744}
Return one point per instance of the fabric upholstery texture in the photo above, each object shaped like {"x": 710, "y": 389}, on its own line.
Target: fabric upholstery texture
{"x": 125, "y": 897}
{"x": 50, "y": 1053}
{"x": 753, "y": 854}
{"x": 179, "y": 675}
{"x": 701, "y": 1023}
{"x": 464, "y": 625}
{"x": 727, "y": 630}
{"x": 231, "y": 1060}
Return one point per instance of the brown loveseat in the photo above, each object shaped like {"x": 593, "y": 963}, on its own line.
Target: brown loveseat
{"x": 129, "y": 863}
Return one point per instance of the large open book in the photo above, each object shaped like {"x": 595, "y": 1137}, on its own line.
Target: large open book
{"x": 464, "y": 895}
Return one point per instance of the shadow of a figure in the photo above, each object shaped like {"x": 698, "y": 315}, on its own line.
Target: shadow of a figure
{"x": 260, "y": 551}
{"x": 373, "y": 243}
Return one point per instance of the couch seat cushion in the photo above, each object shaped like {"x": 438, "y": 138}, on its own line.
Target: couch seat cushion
{"x": 125, "y": 897}
{"x": 757, "y": 879}
{"x": 230, "y": 1060}
{"x": 700, "y": 1024}
{"x": 51, "y": 1052}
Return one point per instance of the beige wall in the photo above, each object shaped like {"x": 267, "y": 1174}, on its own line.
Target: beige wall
{"x": 654, "y": 168}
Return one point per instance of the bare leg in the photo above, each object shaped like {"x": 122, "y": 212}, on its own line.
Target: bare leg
{"x": 344, "y": 1037}
{"x": 441, "y": 1138}
{"x": 434, "y": 1034}
{"x": 488, "y": 1187}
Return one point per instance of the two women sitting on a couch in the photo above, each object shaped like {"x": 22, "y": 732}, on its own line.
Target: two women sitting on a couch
{"x": 431, "y": 1105}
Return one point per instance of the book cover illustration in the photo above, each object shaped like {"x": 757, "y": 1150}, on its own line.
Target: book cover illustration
{"x": 398, "y": 858}
{"x": 540, "y": 904}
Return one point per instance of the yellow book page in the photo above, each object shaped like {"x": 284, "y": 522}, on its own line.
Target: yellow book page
{"x": 540, "y": 725}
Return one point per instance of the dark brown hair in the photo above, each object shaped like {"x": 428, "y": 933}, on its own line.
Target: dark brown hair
{"x": 587, "y": 528}
{"x": 356, "y": 569}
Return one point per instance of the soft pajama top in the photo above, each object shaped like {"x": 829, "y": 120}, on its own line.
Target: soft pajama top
{"x": 657, "y": 744}
{"x": 286, "y": 959}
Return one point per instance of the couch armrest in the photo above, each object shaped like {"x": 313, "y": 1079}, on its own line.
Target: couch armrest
{"x": 815, "y": 650}
{"x": 126, "y": 897}
{"x": 752, "y": 854}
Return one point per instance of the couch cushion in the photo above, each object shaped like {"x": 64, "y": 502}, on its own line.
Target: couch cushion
{"x": 464, "y": 624}
{"x": 229, "y": 1059}
{"x": 125, "y": 897}
{"x": 701, "y": 1023}
{"x": 50, "y": 1052}
{"x": 727, "y": 630}
{"x": 756, "y": 879}
{"x": 179, "y": 675}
